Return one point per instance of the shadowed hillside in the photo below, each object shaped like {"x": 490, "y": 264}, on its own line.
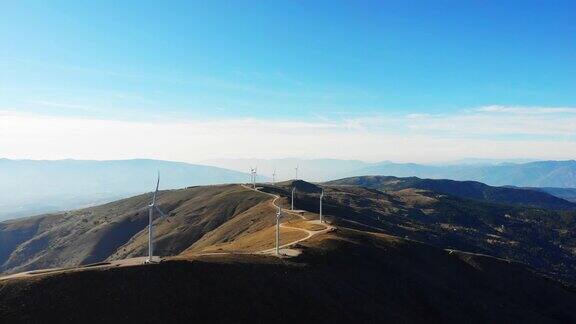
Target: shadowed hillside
{"x": 544, "y": 239}
{"x": 343, "y": 277}
{"x": 463, "y": 189}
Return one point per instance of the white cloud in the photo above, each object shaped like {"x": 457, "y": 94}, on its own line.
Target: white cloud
{"x": 492, "y": 121}
{"x": 426, "y": 138}
{"x": 417, "y": 116}
{"x": 527, "y": 110}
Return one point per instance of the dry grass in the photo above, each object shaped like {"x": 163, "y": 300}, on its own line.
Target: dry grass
{"x": 306, "y": 225}
{"x": 262, "y": 240}
{"x": 413, "y": 197}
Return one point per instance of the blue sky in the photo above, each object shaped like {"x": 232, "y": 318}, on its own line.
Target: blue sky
{"x": 394, "y": 69}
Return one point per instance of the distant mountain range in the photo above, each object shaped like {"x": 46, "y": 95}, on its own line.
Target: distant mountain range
{"x": 561, "y": 174}
{"x": 34, "y": 187}
{"x": 555, "y": 174}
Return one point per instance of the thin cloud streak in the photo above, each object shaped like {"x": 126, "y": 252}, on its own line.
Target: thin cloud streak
{"x": 501, "y": 121}
{"x": 527, "y": 110}
{"x": 422, "y": 138}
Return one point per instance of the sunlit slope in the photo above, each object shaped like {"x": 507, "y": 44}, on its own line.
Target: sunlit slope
{"x": 119, "y": 230}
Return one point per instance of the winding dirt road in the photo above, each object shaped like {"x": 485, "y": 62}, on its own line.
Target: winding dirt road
{"x": 309, "y": 233}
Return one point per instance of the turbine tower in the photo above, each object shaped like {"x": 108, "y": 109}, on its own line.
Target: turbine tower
{"x": 296, "y": 172}
{"x": 321, "y": 197}
{"x": 274, "y": 177}
{"x": 151, "y": 209}
{"x": 293, "y": 189}
{"x": 253, "y": 177}
{"x": 278, "y": 215}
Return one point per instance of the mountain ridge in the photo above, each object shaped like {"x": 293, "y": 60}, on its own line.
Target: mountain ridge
{"x": 512, "y": 172}
{"x": 463, "y": 189}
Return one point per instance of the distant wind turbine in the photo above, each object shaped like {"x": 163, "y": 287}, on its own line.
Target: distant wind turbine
{"x": 293, "y": 189}
{"x": 274, "y": 177}
{"x": 296, "y": 172}
{"x": 151, "y": 209}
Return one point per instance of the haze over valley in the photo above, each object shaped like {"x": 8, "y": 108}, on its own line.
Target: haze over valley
{"x": 38, "y": 187}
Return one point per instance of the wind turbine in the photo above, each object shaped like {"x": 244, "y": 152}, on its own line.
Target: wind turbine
{"x": 296, "y": 172}
{"x": 321, "y": 197}
{"x": 293, "y": 189}
{"x": 278, "y": 215}
{"x": 151, "y": 209}
{"x": 253, "y": 177}
{"x": 274, "y": 177}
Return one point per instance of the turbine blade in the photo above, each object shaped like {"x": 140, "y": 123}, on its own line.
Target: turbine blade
{"x": 156, "y": 191}
{"x": 158, "y": 182}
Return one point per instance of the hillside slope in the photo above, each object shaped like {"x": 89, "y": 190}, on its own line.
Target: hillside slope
{"x": 564, "y": 193}
{"x": 343, "y": 277}
{"x": 543, "y": 239}
{"x": 463, "y": 189}
{"x": 119, "y": 230}
{"x": 233, "y": 218}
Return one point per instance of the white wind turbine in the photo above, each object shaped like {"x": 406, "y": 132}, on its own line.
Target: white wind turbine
{"x": 278, "y": 215}
{"x": 321, "y": 197}
{"x": 151, "y": 209}
{"x": 296, "y": 168}
{"x": 293, "y": 189}
{"x": 274, "y": 177}
{"x": 253, "y": 176}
